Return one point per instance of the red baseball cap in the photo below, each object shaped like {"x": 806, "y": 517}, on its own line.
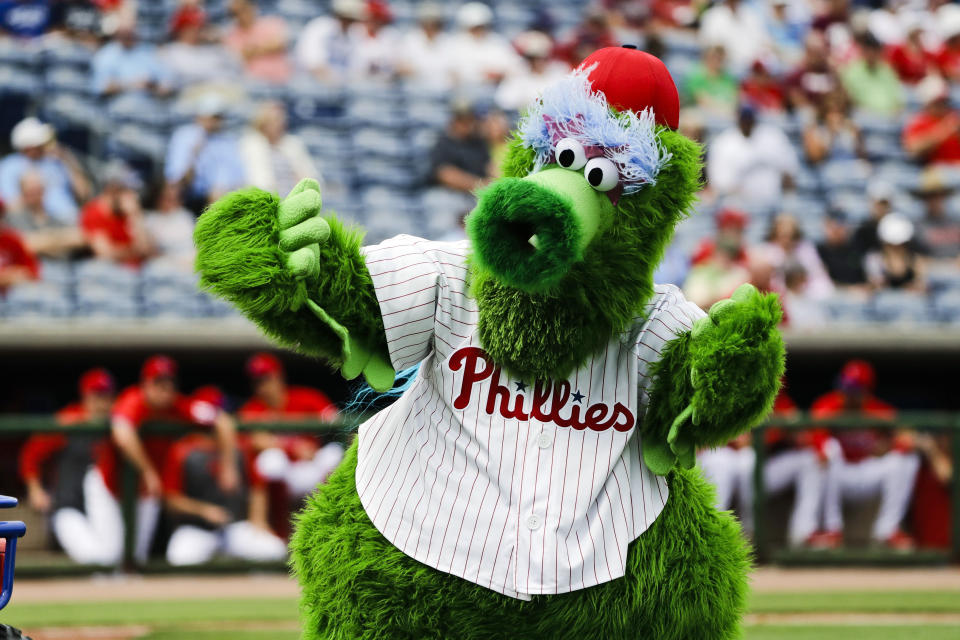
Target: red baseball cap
{"x": 96, "y": 381}
{"x": 263, "y": 364}
{"x": 158, "y": 367}
{"x": 212, "y": 394}
{"x": 634, "y": 80}
{"x": 858, "y": 374}
{"x": 187, "y": 17}
{"x": 727, "y": 218}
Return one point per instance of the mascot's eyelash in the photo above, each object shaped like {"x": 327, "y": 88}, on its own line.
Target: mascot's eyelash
{"x": 571, "y": 109}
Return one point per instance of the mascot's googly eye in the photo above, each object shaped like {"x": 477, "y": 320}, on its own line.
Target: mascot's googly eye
{"x": 570, "y": 154}
{"x": 602, "y": 174}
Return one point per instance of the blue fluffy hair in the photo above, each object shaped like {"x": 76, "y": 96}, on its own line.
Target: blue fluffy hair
{"x": 571, "y": 108}
{"x": 365, "y": 399}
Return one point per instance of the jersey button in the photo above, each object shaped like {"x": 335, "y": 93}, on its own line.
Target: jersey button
{"x": 544, "y": 440}
{"x": 534, "y": 522}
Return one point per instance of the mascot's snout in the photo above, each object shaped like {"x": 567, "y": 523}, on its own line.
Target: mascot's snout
{"x": 529, "y": 231}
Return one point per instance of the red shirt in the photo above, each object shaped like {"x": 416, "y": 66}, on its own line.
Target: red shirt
{"x": 857, "y": 444}
{"x": 931, "y": 510}
{"x": 172, "y": 472}
{"x": 912, "y": 65}
{"x": 131, "y": 406}
{"x": 301, "y": 402}
{"x": 14, "y": 253}
{"x": 97, "y": 219}
{"x": 948, "y": 62}
{"x": 767, "y": 96}
{"x": 39, "y": 448}
{"x": 921, "y": 124}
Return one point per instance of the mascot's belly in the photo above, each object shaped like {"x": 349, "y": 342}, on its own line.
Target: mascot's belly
{"x": 357, "y": 585}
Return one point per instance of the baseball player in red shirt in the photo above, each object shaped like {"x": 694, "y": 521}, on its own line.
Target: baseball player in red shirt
{"x": 63, "y": 459}
{"x": 209, "y": 519}
{"x": 865, "y": 463}
{"x": 156, "y": 398}
{"x": 299, "y": 461}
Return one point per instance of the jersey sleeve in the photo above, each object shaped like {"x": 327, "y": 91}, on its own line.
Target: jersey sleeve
{"x": 130, "y": 407}
{"x": 36, "y": 451}
{"x": 172, "y": 475}
{"x": 412, "y": 278}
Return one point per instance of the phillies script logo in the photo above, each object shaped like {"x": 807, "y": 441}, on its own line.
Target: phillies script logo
{"x": 477, "y": 366}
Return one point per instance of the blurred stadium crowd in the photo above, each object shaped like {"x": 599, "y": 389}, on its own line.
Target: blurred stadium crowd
{"x": 832, "y": 169}
{"x": 832, "y": 143}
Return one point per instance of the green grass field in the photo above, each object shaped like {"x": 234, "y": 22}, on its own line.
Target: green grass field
{"x": 926, "y": 616}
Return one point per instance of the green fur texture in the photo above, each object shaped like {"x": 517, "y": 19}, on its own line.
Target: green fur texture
{"x": 239, "y": 259}
{"x": 508, "y": 212}
{"x": 686, "y": 579}
{"x": 549, "y": 334}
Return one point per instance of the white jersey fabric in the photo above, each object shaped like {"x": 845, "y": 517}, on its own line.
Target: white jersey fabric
{"x": 521, "y": 487}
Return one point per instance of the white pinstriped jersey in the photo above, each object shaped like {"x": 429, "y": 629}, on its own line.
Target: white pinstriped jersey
{"x": 522, "y": 488}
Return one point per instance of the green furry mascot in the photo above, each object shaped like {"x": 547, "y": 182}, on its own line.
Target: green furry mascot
{"x": 536, "y": 480}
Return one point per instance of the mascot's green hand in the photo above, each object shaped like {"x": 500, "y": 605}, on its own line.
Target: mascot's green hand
{"x": 302, "y": 232}
{"x": 735, "y": 363}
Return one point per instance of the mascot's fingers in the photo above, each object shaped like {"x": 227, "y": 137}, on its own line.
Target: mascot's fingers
{"x": 312, "y": 231}
{"x": 305, "y": 262}
{"x": 307, "y": 184}
{"x": 745, "y": 293}
{"x": 295, "y": 209}
{"x": 721, "y": 309}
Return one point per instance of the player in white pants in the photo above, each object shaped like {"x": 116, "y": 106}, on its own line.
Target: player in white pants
{"x": 211, "y": 520}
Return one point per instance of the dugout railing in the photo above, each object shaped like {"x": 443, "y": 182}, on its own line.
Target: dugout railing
{"x": 12, "y": 426}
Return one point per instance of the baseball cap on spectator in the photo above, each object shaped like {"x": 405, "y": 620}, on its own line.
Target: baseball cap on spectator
{"x": 533, "y": 44}
{"x": 948, "y": 21}
{"x": 30, "y": 133}
{"x": 474, "y": 14}
{"x": 117, "y": 173}
{"x": 96, "y": 381}
{"x": 186, "y": 17}
{"x": 349, "y": 9}
{"x": 931, "y": 89}
{"x": 731, "y": 219}
{"x": 858, "y": 374}
{"x": 430, "y": 12}
{"x": 210, "y": 105}
{"x": 880, "y": 191}
{"x": 263, "y": 364}
{"x": 158, "y": 367}
{"x": 379, "y": 11}
{"x": 895, "y": 228}
{"x": 932, "y": 183}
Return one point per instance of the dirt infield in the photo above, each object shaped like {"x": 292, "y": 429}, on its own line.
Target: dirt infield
{"x": 779, "y": 580}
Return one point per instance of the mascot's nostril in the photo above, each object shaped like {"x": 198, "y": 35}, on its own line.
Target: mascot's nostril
{"x": 522, "y": 235}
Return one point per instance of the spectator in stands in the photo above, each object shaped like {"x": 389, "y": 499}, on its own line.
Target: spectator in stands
{"x": 840, "y": 256}
{"x": 947, "y": 57}
{"x": 730, "y": 227}
{"x": 495, "y": 128}
{"x": 931, "y": 496}
{"x": 739, "y": 28}
{"x": 833, "y": 135}
{"x": 208, "y": 519}
{"x": 273, "y": 158}
{"x": 523, "y": 84}
{"x": 710, "y": 86}
{"x": 53, "y": 467}
{"x": 170, "y": 228}
{"x": 716, "y": 278}
{"x": 591, "y": 34}
{"x": 880, "y": 194}
{"x": 786, "y": 244}
{"x": 871, "y": 82}
{"x": 301, "y": 462}
{"x": 328, "y": 45}
{"x": 203, "y": 158}
{"x": 814, "y": 78}
{"x": 155, "y": 398}
{"x": 753, "y": 162}
{"x": 259, "y": 42}
{"x": 460, "y": 159}
{"x": 910, "y": 58}
{"x": 800, "y": 309}
{"x": 36, "y": 149}
{"x": 17, "y": 262}
{"x": 193, "y": 58}
{"x": 376, "y": 55}
{"x": 786, "y": 24}
{"x": 896, "y": 264}
{"x": 112, "y": 222}
{"x": 26, "y": 19}
{"x": 424, "y": 49}
{"x": 938, "y": 233}
{"x": 865, "y": 462}
{"x": 125, "y": 65}
{"x": 762, "y": 89}
{"x": 932, "y": 136}
{"x": 43, "y": 234}
{"x": 481, "y": 55}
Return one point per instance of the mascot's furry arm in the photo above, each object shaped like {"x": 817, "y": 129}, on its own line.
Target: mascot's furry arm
{"x": 714, "y": 381}
{"x": 298, "y": 276}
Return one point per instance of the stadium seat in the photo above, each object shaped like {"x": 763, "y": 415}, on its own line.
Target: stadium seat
{"x": 947, "y": 306}
{"x": 38, "y": 300}
{"x": 894, "y": 306}
{"x": 845, "y": 309}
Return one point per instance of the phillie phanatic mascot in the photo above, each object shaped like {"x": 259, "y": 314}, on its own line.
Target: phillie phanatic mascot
{"x": 536, "y": 479}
